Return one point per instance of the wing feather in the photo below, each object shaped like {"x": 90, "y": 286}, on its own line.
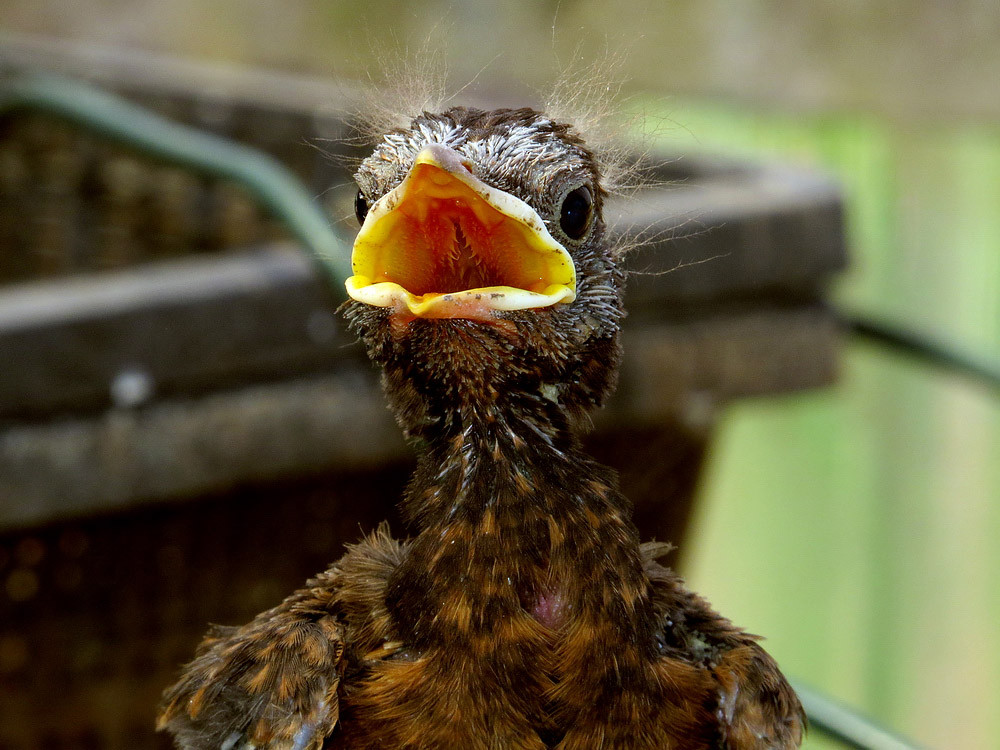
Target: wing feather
{"x": 269, "y": 685}
{"x": 755, "y": 707}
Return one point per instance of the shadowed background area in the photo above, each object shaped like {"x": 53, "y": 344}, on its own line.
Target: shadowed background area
{"x": 854, "y": 526}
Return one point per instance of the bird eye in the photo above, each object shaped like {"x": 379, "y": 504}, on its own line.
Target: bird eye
{"x": 576, "y": 212}
{"x": 361, "y": 207}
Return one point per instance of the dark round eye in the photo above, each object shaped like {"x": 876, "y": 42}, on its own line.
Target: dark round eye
{"x": 361, "y": 207}
{"x": 576, "y": 212}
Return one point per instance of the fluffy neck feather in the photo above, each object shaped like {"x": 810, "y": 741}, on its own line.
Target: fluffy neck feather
{"x": 518, "y": 529}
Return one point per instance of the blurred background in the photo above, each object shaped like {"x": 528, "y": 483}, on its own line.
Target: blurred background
{"x": 854, "y": 526}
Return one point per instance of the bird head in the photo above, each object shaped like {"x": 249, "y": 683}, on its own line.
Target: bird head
{"x": 482, "y": 265}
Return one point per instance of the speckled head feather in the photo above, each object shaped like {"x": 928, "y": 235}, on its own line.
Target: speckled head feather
{"x": 568, "y": 351}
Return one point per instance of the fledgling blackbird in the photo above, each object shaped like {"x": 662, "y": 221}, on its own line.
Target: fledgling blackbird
{"x": 525, "y": 613}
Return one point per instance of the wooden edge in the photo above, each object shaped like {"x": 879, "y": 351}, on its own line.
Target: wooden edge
{"x": 185, "y": 447}
{"x": 185, "y": 326}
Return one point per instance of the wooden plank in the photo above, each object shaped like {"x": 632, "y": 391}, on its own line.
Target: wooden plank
{"x": 185, "y": 326}
{"x": 202, "y": 323}
{"x": 178, "y": 447}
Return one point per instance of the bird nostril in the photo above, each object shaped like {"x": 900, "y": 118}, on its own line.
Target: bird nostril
{"x": 469, "y": 165}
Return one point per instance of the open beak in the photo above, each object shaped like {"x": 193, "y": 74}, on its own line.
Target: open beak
{"x": 445, "y": 244}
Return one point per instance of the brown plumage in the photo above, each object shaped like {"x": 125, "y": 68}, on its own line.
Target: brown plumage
{"x": 525, "y": 613}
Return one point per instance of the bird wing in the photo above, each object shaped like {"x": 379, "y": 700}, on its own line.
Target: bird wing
{"x": 758, "y": 709}
{"x": 755, "y": 707}
{"x": 269, "y": 685}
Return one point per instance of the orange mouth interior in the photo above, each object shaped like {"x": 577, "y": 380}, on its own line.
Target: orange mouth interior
{"x": 442, "y": 238}
{"x": 445, "y": 244}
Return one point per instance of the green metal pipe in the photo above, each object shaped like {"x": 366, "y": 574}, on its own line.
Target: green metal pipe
{"x": 846, "y": 725}
{"x": 925, "y": 348}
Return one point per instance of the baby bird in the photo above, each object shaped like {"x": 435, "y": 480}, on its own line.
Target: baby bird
{"x": 525, "y": 613}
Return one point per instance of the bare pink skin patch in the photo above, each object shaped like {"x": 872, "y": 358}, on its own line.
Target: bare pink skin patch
{"x": 550, "y": 610}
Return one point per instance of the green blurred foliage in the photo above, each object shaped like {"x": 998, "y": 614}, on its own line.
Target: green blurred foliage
{"x": 857, "y": 528}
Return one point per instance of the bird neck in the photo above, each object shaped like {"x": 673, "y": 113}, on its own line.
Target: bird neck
{"x": 517, "y": 521}
{"x": 485, "y": 457}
